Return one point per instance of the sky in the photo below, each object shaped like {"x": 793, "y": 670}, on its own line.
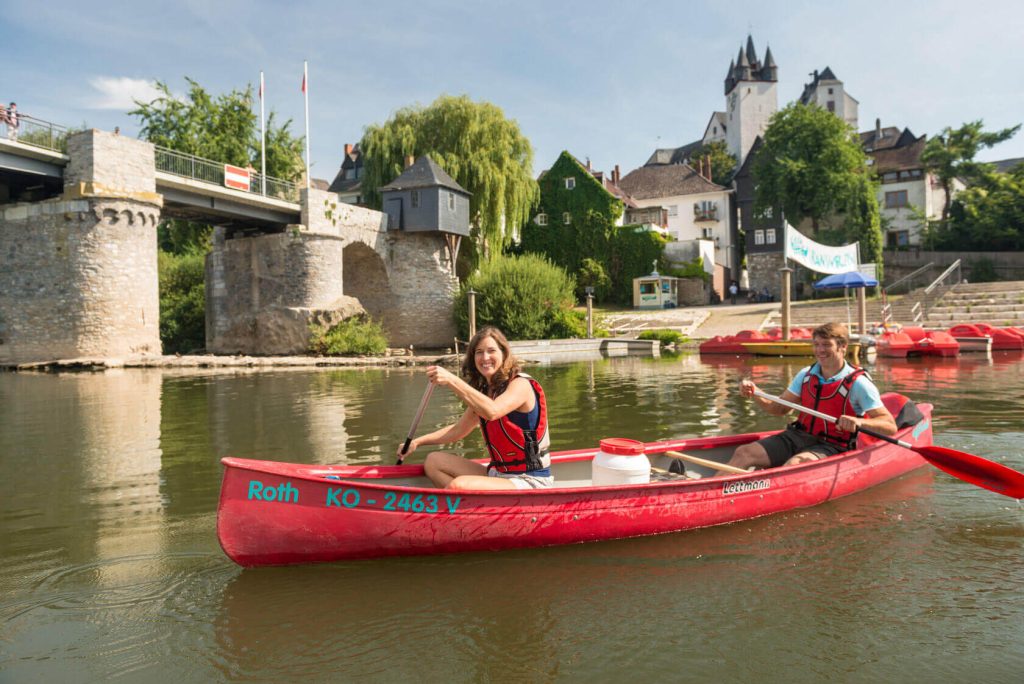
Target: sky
{"x": 607, "y": 81}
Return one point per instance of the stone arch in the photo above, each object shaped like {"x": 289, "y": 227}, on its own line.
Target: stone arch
{"x": 365, "y": 277}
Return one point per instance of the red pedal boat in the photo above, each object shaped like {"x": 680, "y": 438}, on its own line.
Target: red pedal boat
{"x": 273, "y": 513}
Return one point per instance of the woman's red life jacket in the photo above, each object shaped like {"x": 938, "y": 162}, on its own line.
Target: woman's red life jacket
{"x": 832, "y": 398}
{"x": 513, "y": 449}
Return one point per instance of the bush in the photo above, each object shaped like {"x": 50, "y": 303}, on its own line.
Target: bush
{"x": 591, "y": 274}
{"x": 182, "y": 301}
{"x": 983, "y": 271}
{"x": 666, "y": 337}
{"x": 526, "y": 297}
{"x": 352, "y": 337}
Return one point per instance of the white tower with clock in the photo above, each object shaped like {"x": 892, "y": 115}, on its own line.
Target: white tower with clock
{"x": 750, "y": 99}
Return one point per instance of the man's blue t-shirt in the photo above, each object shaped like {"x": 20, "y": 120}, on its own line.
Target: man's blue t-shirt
{"x": 864, "y": 395}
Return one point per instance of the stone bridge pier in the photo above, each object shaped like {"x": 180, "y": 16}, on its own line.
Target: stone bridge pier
{"x": 78, "y": 273}
{"x": 264, "y": 292}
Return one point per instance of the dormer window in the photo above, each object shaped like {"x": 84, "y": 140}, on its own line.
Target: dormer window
{"x": 542, "y": 219}
{"x": 570, "y": 183}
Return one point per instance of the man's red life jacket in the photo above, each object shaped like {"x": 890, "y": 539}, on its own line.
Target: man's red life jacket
{"x": 513, "y": 449}
{"x": 832, "y": 398}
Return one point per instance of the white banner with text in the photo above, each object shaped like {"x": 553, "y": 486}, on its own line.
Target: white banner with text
{"x": 820, "y": 258}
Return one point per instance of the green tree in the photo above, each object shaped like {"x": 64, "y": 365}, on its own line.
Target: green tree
{"x": 950, "y": 155}
{"x": 810, "y": 166}
{"x": 223, "y": 128}
{"x": 723, "y": 163}
{"x": 989, "y": 215}
{"x": 476, "y": 145}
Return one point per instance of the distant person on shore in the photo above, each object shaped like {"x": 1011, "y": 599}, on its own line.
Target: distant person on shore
{"x": 830, "y": 385}
{"x": 509, "y": 408}
{"x": 12, "y": 121}
{"x": 734, "y": 290}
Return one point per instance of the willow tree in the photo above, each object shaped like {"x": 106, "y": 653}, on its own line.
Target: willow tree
{"x": 476, "y": 145}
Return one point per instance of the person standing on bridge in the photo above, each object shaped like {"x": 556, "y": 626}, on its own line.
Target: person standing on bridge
{"x": 831, "y": 386}
{"x": 12, "y": 121}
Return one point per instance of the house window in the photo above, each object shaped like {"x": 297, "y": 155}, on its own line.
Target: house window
{"x": 896, "y": 199}
{"x": 769, "y": 236}
{"x": 898, "y": 238}
{"x": 890, "y": 177}
{"x": 542, "y": 219}
{"x": 673, "y": 210}
{"x": 415, "y": 199}
{"x": 451, "y": 201}
{"x": 570, "y": 183}
{"x": 706, "y": 233}
{"x": 758, "y": 237}
{"x": 831, "y": 104}
{"x": 829, "y": 91}
{"x": 915, "y": 173}
{"x": 566, "y": 218}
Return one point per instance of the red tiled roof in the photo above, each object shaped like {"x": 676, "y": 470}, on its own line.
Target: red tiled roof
{"x": 670, "y": 180}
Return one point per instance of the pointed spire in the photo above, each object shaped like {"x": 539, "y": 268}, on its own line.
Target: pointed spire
{"x": 769, "y": 72}
{"x": 742, "y": 67}
{"x": 730, "y": 79}
{"x": 751, "y": 52}
{"x": 732, "y": 68}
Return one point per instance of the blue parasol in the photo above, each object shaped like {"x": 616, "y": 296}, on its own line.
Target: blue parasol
{"x": 845, "y": 280}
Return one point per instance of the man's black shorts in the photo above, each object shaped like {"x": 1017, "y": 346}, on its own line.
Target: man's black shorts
{"x": 788, "y": 443}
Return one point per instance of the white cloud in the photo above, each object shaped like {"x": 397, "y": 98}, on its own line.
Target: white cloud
{"x": 121, "y": 92}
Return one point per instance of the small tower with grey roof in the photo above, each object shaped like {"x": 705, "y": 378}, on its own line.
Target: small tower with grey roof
{"x": 426, "y": 199}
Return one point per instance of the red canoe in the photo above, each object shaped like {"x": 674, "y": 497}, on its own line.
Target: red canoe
{"x": 274, "y": 513}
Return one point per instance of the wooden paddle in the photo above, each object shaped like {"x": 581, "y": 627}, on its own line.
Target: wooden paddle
{"x": 706, "y": 463}
{"x": 967, "y": 467}
{"x": 416, "y": 422}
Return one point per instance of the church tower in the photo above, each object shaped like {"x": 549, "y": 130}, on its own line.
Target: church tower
{"x": 750, "y": 98}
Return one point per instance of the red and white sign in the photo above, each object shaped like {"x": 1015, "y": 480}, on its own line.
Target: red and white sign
{"x": 236, "y": 177}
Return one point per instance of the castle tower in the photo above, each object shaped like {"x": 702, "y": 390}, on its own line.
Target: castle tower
{"x": 750, "y": 98}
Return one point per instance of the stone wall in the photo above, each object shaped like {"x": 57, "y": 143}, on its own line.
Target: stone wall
{"x": 78, "y": 278}
{"x": 763, "y": 269}
{"x": 899, "y": 263}
{"x": 78, "y": 274}
{"x": 263, "y": 292}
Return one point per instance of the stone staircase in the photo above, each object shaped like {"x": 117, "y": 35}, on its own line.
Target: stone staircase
{"x": 999, "y": 304}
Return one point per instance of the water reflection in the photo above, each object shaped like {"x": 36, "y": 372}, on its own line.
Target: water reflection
{"x": 110, "y": 565}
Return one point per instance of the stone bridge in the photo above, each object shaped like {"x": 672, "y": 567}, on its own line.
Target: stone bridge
{"x": 78, "y": 260}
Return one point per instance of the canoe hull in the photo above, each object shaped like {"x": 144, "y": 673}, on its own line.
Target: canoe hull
{"x": 274, "y": 513}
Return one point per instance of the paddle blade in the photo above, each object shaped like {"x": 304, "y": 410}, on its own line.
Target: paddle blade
{"x": 976, "y": 470}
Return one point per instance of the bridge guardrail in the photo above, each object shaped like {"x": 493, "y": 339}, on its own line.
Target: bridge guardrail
{"x": 209, "y": 171}
{"x": 39, "y": 133}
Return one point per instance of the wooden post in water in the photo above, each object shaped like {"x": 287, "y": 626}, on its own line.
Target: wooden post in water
{"x": 862, "y": 310}
{"x": 590, "y": 312}
{"x": 471, "y": 295}
{"x": 787, "y": 274}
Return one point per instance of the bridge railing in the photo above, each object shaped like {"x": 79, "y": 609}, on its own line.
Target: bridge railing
{"x": 39, "y": 133}
{"x": 209, "y": 171}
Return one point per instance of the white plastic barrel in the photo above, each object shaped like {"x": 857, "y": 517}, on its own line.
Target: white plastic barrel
{"x": 620, "y": 462}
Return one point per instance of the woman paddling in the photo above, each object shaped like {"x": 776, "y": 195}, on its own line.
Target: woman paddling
{"x": 511, "y": 411}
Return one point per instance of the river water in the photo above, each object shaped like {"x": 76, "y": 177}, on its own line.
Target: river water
{"x": 110, "y": 567}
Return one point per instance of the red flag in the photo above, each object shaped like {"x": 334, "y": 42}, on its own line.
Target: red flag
{"x": 303, "y": 82}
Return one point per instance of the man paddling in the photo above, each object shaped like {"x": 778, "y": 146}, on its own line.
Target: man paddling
{"x": 831, "y": 386}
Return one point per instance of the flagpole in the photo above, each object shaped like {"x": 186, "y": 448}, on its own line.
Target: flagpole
{"x": 263, "y": 143}
{"x": 305, "y": 92}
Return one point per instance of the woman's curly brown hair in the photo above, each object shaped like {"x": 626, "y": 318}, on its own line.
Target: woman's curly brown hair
{"x": 508, "y": 370}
